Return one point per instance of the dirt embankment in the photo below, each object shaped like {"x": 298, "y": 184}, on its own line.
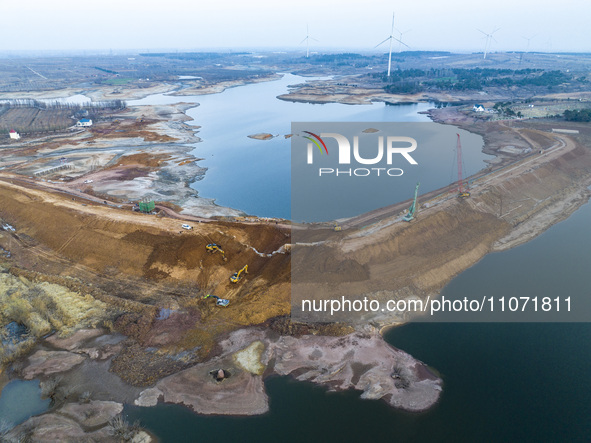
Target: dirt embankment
{"x": 153, "y": 262}
{"x": 397, "y": 261}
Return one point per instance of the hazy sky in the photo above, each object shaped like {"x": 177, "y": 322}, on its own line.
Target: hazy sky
{"x": 141, "y": 24}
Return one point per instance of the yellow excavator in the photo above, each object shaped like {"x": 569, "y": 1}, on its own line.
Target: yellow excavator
{"x": 212, "y": 247}
{"x": 337, "y": 228}
{"x": 237, "y": 276}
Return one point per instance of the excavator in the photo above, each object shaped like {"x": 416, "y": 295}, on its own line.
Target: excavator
{"x": 237, "y": 276}
{"x": 212, "y": 247}
{"x": 223, "y": 302}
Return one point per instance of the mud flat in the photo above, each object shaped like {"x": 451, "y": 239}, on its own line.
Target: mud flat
{"x": 262, "y": 136}
{"x": 82, "y": 408}
{"x": 81, "y": 421}
{"x": 333, "y": 91}
{"x": 201, "y": 87}
{"x": 69, "y": 423}
{"x": 360, "y": 361}
{"x": 140, "y": 154}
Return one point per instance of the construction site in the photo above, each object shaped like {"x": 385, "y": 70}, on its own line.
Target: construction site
{"x": 151, "y": 263}
{"x": 102, "y": 244}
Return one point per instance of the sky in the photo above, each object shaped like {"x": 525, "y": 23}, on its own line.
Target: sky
{"x": 336, "y": 24}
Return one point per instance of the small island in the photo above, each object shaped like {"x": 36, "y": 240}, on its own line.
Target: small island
{"x": 262, "y": 136}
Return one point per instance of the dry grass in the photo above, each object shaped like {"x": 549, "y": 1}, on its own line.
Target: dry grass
{"x": 122, "y": 430}
{"x": 45, "y": 307}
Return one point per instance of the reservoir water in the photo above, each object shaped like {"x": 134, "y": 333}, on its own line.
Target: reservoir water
{"x": 254, "y": 175}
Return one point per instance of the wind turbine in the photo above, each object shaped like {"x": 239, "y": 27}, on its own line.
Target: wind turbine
{"x": 489, "y": 37}
{"x": 391, "y": 38}
{"x": 307, "y": 40}
{"x": 528, "y": 40}
{"x": 527, "y": 47}
{"x": 549, "y": 45}
{"x": 400, "y": 34}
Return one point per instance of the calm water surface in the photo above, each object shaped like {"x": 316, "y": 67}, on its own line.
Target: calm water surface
{"x": 254, "y": 175}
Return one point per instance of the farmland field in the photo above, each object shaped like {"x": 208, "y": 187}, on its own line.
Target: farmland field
{"x": 28, "y": 120}
{"x": 118, "y": 81}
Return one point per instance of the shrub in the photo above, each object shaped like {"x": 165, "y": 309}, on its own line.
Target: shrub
{"x": 122, "y": 430}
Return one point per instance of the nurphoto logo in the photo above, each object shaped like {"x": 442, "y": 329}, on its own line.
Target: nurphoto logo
{"x": 395, "y": 145}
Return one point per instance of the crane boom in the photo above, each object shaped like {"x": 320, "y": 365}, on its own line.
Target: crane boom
{"x": 459, "y": 155}
{"x": 462, "y": 192}
{"x": 413, "y": 207}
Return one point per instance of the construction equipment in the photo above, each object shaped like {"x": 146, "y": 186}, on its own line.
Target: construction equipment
{"x": 237, "y": 276}
{"x": 462, "y": 192}
{"x": 337, "y": 227}
{"x": 413, "y": 208}
{"x": 219, "y": 301}
{"x": 147, "y": 206}
{"x": 212, "y": 247}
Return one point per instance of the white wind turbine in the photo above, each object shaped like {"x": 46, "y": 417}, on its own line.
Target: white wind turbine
{"x": 526, "y": 48}
{"x": 528, "y": 40}
{"x": 488, "y": 37}
{"x": 400, "y": 34}
{"x": 391, "y": 38}
{"x": 307, "y": 40}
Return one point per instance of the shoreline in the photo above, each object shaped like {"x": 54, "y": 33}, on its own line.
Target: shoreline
{"x": 165, "y": 134}
{"x": 479, "y": 210}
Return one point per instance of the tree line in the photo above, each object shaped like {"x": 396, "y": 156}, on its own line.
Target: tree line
{"x": 460, "y": 79}
{"x": 58, "y": 105}
{"x": 578, "y": 115}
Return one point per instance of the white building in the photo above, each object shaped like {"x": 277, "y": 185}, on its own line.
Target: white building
{"x": 14, "y": 135}
{"x": 478, "y": 108}
{"x": 84, "y": 122}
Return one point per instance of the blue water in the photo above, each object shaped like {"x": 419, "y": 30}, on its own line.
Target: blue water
{"x": 21, "y": 399}
{"x": 555, "y": 264}
{"x": 254, "y": 175}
